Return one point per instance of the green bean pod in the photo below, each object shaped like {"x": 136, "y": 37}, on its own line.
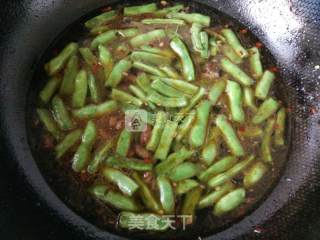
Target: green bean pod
{"x": 178, "y": 46}
{"x": 159, "y": 51}
{"x": 70, "y": 140}
{"x": 124, "y": 143}
{"x": 185, "y": 186}
{"x": 266, "y": 141}
{"x": 58, "y": 62}
{"x": 61, "y": 114}
{"x": 185, "y": 126}
{"x": 195, "y": 36}
{"x": 91, "y": 110}
{"x": 254, "y": 174}
{"x": 106, "y": 60}
{"x": 197, "y": 133}
{"x": 128, "y": 32}
{"x": 146, "y": 38}
{"x": 181, "y": 85}
{"x": 148, "y": 69}
{"x": 49, "y": 123}
{"x": 229, "y": 135}
{"x": 164, "y": 11}
{"x": 231, "y": 54}
{"x": 190, "y": 203}
{"x": 229, "y": 202}
{"x": 251, "y": 132}
{"x": 94, "y": 88}
{"x": 255, "y": 63}
{"x": 211, "y": 149}
{"x": 124, "y": 183}
{"x": 170, "y": 71}
{"x": 248, "y": 99}
{"x": 211, "y": 198}
{"x": 124, "y": 97}
{"x": 166, "y": 139}
{"x": 121, "y": 201}
{"x": 103, "y": 38}
{"x": 204, "y": 53}
{"x": 150, "y": 58}
{"x": 139, "y": 93}
{"x": 191, "y": 17}
{"x": 154, "y": 140}
{"x": 167, "y": 198}
{"x": 214, "y": 48}
{"x": 81, "y": 89}
{"x": 234, "y": 42}
{"x": 128, "y": 163}
{"x": 116, "y": 74}
{"x": 101, "y": 19}
{"x": 163, "y": 21}
{"x": 184, "y": 171}
{"x": 266, "y": 110}
{"x": 280, "y": 127}
{"x": 234, "y": 93}
{"x": 49, "y": 89}
{"x": 70, "y": 73}
{"x": 232, "y": 172}
{"x": 165, "y": 89}
{"x": 264, "y": 85}
{"x": 88, "y": 56}
{"x": 170, "y": 102}
{"x": 141, "y": 9}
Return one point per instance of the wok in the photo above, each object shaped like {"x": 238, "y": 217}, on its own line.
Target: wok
{"x": 287, "y": 28}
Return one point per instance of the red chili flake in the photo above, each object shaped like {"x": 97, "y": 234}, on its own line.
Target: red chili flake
{"x": 242, "y": 129}
{"x": 147, "y": 160}
{"x": 95, "y": 67}
{"x": 106, "y": 9}
{"x": 276, "y": 126}
{"x": 244, "y": 31}
{"x": 274, "y": 69}
{"x": 313, "y": 110}
{"x": 259, "y": 45}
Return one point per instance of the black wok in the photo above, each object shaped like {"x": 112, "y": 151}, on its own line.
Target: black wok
{"x": 287, "y": 28}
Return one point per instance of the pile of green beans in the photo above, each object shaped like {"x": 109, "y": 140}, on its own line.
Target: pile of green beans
{"x": 188, "y": 156}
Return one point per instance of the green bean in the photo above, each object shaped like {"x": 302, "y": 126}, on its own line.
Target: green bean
{"x": 191, "y": 17}
{"x": 234, "y": 42}
{"x": 255, "y": 63}
{"x": 101, "y": 19}
{"x": 61, "y": 114}
{"x": 170, "y": 71}
{"x": 58, "y": 62}
{"x": 213, "y": 47}
{"x": 216, "y": 91}
{"x": 146, "y": 195}
{"x": 49, "y": 123}
{"x": 94, "y": 88}
{"x": 170, "y": 102}
{"x": 100, "y": 155}
{"x": 150, "y": 58}
{"x": 264, "y": 85}
{"x": 128, "y": 219}
{"x": 249, "y": 99}
{"x": 266, "y": 141}
{"x": 209, "y": 152}
{"x": 163, "y": 52}
{"x": 234, "y": 93}
{"x": 280, "y": 127}
{"x": 121, "y": 202}
{"x": 195, "y": 36}
{"x": 91, "y": 110}
{"x": 165, "y": 89}
{"x": 229, "y": 202}
{"x": 190, "y": 203}
{"x": 266, "y": 109}
{"x": 183, "y": 86}
{"x": 193, "y": 101}
{"x": 80, "y": 91}
{"x": 184, "y": 171}
{"x": 185, "y": 186}
{"x": 198, "y": 131}
{"x": 213, "y": 197}
{"x": 148, "y": 69}
{"x": 185, "y": 125}
{"x": 229, "y": 135}
{"x": 146, "y": 38}
{"x": 128, "y": 163}
{"x": 254, "y": 174}
{"x": 166, "y": 194}
{"x": 49, "y": 90}
{"x": 88, "y": 56}
{"x": 124, "y": 143}
{"x": 236, "y": 72}
{"x": 98, "y": 190}
{"x": 128, "y": 32}
{"x": 70, "y": 140}
{"x": 218, "y": 167}
{"x": 154, "y": 140}
{"x": 231, "y": 54}
{"x": 173, "y": 160}
{"x": 124, "y": 183}
{"x": 164, "y": 11}
{"x": 141, "y": 9}
{"x": 166, "y": 139}
{"x": 251, "y": 132}
{"x": 178, "y": 46}
{"x": 116, "y": 74}
{"x": 70, "y": 73}
{"x": 106, "y": 60}
{"x": 103, "y": 38}
{"x": 99, "y": 29}
{"x": 232, "y": 172}
{"x": 163, "y": 21}
{"x": 141, "y": 95}
{"x": 81, "y": 156}
{"x": 204, "y": 53}
{"x": 143, "y": 82}
{"x": 124, "y": 97}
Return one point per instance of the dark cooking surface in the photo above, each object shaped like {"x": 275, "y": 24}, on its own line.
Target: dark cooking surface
{"x": 21, "y": 217}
